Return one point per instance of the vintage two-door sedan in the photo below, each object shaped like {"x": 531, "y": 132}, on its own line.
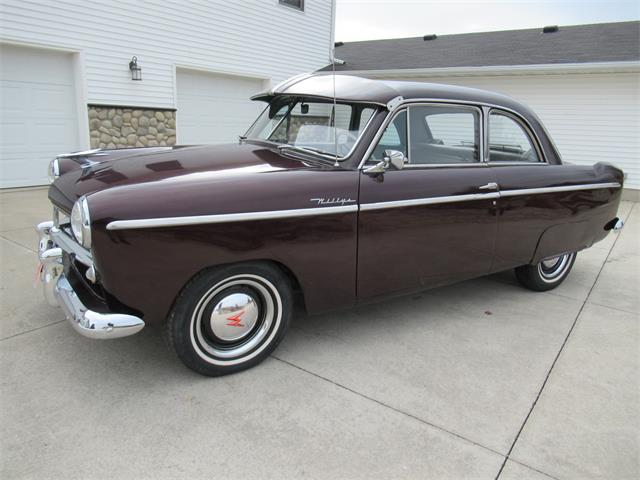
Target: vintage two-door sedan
{"x": 385, "y": 188}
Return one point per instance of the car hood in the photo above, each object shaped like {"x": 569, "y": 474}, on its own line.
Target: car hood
{"x": 91, "y": 172}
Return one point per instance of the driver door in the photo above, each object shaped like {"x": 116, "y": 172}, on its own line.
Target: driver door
{"x": 434, "y": 221}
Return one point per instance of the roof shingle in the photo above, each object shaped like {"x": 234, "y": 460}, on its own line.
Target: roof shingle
{"x": 604, "y": 42}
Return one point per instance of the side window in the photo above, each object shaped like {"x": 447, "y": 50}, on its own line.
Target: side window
{"x": 508, "y": 141}
{"x": 394, "y": 137}
{"x": 442, "y": 135}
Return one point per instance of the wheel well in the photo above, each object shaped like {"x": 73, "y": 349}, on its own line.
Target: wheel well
{"x": 298, "y": 293}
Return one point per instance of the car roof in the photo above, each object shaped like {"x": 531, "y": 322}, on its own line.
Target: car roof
{"x": 389, "y": 93}
{"x": 353, "y": 89}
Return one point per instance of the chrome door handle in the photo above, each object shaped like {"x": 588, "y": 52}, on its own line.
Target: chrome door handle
{"x": 489, "y": 186}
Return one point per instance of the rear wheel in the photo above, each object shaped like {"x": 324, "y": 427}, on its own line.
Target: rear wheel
{"x": 547, "y": 274}
{"x": 229, "y": 319}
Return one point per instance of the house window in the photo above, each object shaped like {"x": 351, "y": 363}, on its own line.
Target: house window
{"x": 297, "y": 4}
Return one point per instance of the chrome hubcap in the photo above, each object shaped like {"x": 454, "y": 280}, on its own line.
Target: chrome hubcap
{"x": 553, "y": 268}
{"x": 234, "y": 317}
{"x": 550, "y": 263}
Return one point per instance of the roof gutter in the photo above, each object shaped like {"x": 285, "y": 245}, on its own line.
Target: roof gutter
{"x": 541, "y": 69}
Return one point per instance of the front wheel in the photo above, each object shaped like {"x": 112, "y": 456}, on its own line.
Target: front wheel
{"x": 230, "y": 318}
{"x": 547, "y": 274}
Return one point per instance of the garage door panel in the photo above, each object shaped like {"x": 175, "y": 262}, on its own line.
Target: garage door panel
{"x": 14, "y": 97}
{"x": 53, "y": 101}
{"x": 50, "y": 136}
{"x": 214, "y": 108}
{"x": 16, "y": 171}
{"x": 11, "y": 135}
{"x": 37, "y": 113}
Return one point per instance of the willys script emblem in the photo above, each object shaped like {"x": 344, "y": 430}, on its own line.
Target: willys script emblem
{"x": 332, "y": 201}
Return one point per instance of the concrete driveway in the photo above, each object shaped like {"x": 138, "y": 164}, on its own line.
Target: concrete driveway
{"x": 482, "y": 379}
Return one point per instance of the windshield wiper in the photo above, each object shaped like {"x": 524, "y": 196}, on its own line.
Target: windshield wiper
{"x": 303, "y": 149}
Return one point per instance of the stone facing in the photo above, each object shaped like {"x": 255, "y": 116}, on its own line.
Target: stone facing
{"x": 122, "y": 127}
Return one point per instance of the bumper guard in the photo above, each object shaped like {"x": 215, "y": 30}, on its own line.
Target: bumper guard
{"x": 59, "y": 292}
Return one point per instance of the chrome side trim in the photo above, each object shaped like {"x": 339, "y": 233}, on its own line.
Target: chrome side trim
{"x": 428, "y": 201}
{"x": 417, "y": 166}
{"x": 567, "y": 188}
{"x": 482, "y": 196}
{"x": 309, "y": 212}
{"x": 227, "y": 217}
{"x": 496, "y": 163}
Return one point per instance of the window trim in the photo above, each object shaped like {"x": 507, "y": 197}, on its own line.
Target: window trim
{"x": 297, "y": 9}
{"x": 484, "y": 106}
{"x": 527, "y": 131}
{"x": 405, "y": 108}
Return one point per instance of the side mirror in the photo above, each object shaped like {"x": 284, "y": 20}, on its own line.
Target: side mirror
{"x": 394, "y": 158}
{"x": 391, "y": 158}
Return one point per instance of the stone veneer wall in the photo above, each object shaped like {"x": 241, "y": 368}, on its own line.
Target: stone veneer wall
{"x": 122, "y": 127}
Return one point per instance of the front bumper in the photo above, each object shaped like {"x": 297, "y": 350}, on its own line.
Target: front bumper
{"x": 59, "y": 292}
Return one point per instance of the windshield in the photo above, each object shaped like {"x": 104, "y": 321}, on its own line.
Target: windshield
{"x": 310, "y": 125}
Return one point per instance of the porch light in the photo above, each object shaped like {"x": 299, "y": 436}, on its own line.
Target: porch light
{"x": 136, "y": 71}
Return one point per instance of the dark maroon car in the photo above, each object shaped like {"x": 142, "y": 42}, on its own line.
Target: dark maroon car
{"x": 384, "y": 189}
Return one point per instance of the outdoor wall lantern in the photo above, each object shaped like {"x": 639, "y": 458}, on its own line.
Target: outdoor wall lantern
{"x": 136, "y": 71}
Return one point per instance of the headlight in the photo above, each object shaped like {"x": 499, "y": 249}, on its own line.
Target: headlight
{"x": 54, "y": 169}
{"x": 81, "y": 222}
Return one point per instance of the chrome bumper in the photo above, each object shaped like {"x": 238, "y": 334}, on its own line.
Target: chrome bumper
{"x": 59, "y": 292}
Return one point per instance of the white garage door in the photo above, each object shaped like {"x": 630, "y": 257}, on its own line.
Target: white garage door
{"x": 591, "y": 117}
{"x": 37, "y": 113}
{"x": 215, "y": 108}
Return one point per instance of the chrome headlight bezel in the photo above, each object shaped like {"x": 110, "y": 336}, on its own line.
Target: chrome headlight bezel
{"x": 54, "y": 170}
{"x": 81, "y": 222}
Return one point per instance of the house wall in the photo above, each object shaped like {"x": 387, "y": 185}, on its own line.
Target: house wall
{"x": 591, "y": 117}
{"x": 255, "y": 38}
{"x": 236, "y": 48}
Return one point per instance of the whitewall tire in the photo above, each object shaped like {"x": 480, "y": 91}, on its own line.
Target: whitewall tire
{"x": 547, "y": 274}
{"x": 231, "y": 318}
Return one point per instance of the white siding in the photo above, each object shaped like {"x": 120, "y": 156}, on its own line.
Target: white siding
{"x": 591, "y": 117}
{"x": 256, "y": 38}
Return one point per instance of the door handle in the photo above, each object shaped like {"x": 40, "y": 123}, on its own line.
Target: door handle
{"x": 489, "y": 186}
